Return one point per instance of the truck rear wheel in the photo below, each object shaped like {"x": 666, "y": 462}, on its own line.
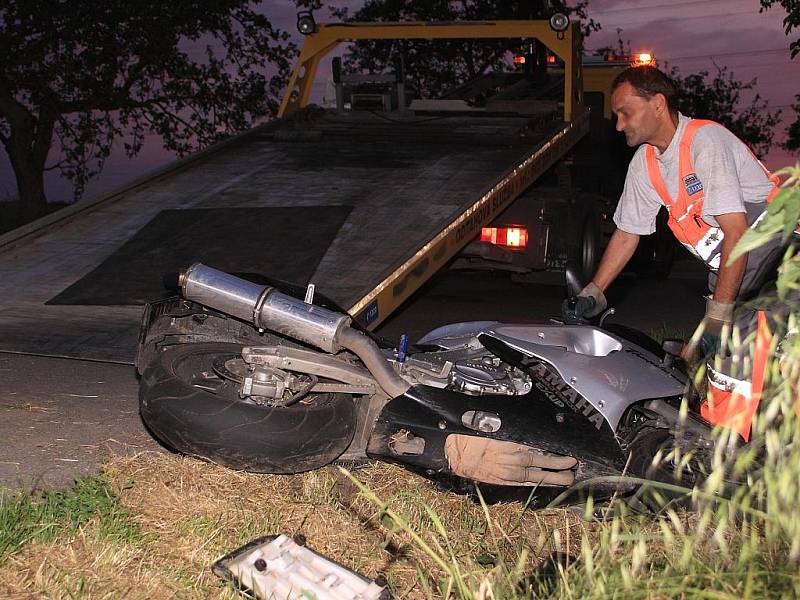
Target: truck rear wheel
{"x": 191, "y": 410}
{"x": 656, "y": 254}
{"x": 589, "y": 247}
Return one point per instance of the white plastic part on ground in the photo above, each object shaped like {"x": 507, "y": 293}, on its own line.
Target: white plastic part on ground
{"x": 278, "y": 567}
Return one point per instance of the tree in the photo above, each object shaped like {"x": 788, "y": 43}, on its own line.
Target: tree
{"x": 718, "y": 99}
{"x": 790, "y": 22}
{"x": 433, "y": 66}
{"x": 85, "y": 74}
{"x": 792, "y": 143}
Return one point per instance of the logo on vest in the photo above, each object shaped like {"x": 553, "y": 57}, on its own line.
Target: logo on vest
{"x": 693, "y": 184}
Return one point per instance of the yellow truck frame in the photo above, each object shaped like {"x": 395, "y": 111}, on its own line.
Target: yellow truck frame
{"x": 328, "y": 36}
{"x": 382, "y": 300}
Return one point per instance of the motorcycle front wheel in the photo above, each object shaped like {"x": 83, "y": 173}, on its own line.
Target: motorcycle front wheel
{"x": 652, "y": 456}
{"x": 192, "y": 410}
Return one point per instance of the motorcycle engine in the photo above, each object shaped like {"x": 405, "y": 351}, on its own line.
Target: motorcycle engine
{"x": 466, "y": 372}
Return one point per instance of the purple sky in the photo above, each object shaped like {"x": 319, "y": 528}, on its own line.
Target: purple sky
{"x": 690, "y": 34}
{"x": 693, "y": 35}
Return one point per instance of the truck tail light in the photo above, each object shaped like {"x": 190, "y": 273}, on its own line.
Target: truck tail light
{"x": 508, "y": 237}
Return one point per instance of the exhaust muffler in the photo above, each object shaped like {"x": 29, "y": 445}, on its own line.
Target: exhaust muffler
{"x": 267, "y": 308}
{"x": 263, "y": 306}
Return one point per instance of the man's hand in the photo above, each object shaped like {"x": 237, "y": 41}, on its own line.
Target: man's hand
{"x": 589, "y": 303}
{"x": 716, "y": 324}
{"x": 719, "y": 307}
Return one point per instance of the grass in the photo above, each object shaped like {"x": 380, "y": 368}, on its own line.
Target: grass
{"x": 187, "y": 513}
{"x": 25, "y": 519}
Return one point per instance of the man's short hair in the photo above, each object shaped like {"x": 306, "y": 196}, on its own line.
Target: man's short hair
{"x": 648, "y": 81}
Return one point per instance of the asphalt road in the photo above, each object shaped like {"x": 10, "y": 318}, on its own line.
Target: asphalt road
{"x": 61, "y": 417}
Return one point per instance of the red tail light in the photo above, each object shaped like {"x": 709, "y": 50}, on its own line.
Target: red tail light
{"x": 508, "y": 237}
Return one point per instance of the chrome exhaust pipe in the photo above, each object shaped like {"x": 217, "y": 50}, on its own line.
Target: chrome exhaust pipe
{"x": 263, "y": 306}
{"x": 267, "y": 308}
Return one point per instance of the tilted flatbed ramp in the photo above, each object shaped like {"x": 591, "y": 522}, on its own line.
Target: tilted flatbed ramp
{"x": 366, "y": 206}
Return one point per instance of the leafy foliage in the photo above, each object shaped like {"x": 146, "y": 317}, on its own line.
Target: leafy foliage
{"x": 792, "y": 143}
{"x": 434, "y": 66}
{"x": 87, "y": 74}
{"x": 719, "y": 98}
{"x": 790, "y": 22}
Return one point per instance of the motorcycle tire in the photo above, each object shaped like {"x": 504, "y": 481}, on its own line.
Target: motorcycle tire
{"x": 189, "y": 414}
{"x": 643, "y": 451}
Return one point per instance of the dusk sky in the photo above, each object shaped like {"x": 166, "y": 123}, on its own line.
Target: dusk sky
{"x": 690, "y": 34}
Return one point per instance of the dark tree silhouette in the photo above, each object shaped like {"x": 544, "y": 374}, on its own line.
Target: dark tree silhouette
{"x": 792, "y": 143}
{"x": 433, "y": 66}
{"x": 790, "y": 23}
{"x": 719, "y": 99}
{"x": 85, "y": 74}
{"x": 791, "y": 20}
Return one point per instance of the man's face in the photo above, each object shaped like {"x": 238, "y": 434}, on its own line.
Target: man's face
{"x": 636, "y": 116}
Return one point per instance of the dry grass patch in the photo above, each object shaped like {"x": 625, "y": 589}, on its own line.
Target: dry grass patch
{"x": 188, "y": 513}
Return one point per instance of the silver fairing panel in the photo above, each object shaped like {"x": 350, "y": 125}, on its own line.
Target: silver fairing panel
{"x": 455, "y": 335}
{"x": 606, "y": 370}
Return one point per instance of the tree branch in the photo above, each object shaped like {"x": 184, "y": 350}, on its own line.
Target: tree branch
{"x": 13, "y": 110}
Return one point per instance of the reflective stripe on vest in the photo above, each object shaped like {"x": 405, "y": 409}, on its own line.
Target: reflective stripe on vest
{"x": 686, "y": 212}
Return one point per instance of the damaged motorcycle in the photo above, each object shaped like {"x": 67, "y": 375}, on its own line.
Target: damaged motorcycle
{"x": 269, "y": 379}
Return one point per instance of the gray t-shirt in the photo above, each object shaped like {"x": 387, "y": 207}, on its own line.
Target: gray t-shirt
{"x": 732, "y": 179}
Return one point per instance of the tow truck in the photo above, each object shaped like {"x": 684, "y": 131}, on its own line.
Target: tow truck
{"x": 364, "y": 204}
{"x": 568, "y": 218}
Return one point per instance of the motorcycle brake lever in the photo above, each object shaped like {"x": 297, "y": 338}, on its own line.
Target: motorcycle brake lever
{"x": 607, "y": 313}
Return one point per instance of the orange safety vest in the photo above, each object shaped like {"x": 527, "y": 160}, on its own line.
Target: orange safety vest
{"x": 686, "y": 212}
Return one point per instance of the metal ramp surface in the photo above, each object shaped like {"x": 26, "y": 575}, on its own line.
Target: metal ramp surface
{"x": 366, "y": 206}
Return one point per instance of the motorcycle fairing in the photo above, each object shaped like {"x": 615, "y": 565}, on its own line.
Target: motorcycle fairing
{"x": 607, "y": 370}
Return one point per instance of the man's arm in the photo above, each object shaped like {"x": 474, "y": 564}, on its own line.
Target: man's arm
{"x": 719, "y": 308}
{"x": 730, "y": 276}
{"x": 619, "y": 251}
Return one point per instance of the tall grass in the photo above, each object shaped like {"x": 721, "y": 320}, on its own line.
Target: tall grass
{"x": 739, "y": 539}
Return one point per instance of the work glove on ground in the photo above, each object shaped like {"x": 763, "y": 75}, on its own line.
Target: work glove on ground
{"x": 589, "y": 303}
{"x": 500, "y": 462}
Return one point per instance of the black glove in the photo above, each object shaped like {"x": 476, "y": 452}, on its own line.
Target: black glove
{"x": 574, "y": 310}
{"x": 589, "y": 303}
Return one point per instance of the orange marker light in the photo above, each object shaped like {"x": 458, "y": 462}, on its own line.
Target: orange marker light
{"x": 508, "y": 237}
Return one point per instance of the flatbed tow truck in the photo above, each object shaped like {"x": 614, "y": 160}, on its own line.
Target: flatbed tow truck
{"x": 365, "y": 205}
